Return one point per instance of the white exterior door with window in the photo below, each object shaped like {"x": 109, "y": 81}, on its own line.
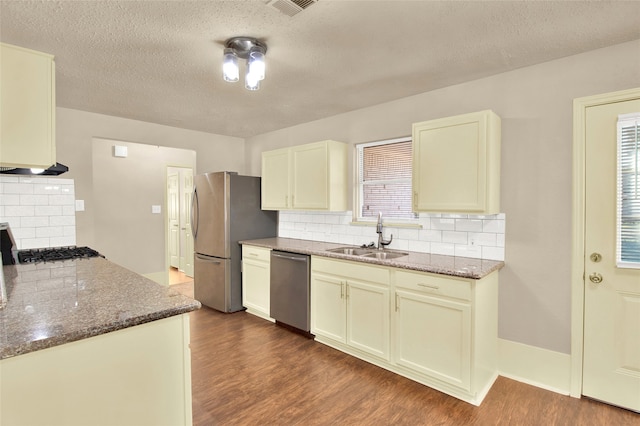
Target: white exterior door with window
{"x": 611, "y": 352}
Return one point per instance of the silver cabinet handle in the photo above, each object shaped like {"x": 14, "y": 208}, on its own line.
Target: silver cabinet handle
{"x": 432, "y": 287}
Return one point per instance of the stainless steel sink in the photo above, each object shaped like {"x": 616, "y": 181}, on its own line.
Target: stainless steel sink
{"x": 368, "y": 252}
{"x": 385, "y": 254}
{"x": 353, "y": 251}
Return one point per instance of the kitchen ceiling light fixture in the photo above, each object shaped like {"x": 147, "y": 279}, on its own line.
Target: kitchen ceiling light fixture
{"x": 251, "y": 49}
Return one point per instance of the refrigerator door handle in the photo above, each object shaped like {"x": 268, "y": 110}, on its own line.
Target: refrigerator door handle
{"x": 208, "y": 259}
{"x": 194, "y": 211}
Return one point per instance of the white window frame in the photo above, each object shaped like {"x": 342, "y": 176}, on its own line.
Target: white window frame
{"x": 359, "y": 188}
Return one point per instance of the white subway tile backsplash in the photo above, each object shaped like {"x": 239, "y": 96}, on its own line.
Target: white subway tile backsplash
{"x": 40, "y": 211}
{"x": 469, "y": 225}
{"x": 476, "y": 236}
{"x": 34, "y": 200}
{"x": 34, "y": 221}
{"x": 10, "y": 199}
{"x": 482, "y": 238}
{"x": 468, "y": 251}
{"x": 455, "y": 237}
{"x": 430, "y": 235}
{"x": 419, "y": 246}
{"x": 48, "y": 210}
{"x": 443, "y": 224}
{"x": 443, "y": 248}
{"x": 17, "y": 188}
{"x": 49, "y": 231}
{"x": 19, "y": 211}
{"x": 23, "y": 232}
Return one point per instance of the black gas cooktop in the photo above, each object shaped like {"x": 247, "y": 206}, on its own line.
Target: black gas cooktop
{"x": 55, "y": 253}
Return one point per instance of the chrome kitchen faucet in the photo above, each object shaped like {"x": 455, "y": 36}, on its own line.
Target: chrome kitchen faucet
{"x": 381, "y": 241}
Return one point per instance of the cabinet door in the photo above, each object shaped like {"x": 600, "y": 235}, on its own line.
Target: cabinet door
{"x": 328, "y": 307}
{"x": 368, "y": 318}
{"x": 309, "y": 170}
{"x": 456, "y": 164}
{"x": 27, "y": 108}
{"x": 275, "y": 180}
{"x": 255, "y": 286}
{"x": 433, "y": 337}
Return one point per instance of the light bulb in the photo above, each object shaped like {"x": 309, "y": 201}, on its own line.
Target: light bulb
{"x": 230, "y": 70}
{"x": 36, "y": 171}
{"x": 250, "y": 81}
{"x": 256, "y": 62}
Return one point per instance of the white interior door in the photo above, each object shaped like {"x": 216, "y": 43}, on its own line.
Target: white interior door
{"x": 611, "y": 353}
{"x": 187, "y": 252}
{"x": 173, "y": 212}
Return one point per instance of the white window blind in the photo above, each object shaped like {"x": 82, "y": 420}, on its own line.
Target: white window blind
{"x": 628, "y": 197}
{"x": 384, "y": 179}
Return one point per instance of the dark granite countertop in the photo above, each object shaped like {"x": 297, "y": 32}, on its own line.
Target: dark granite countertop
{"x": 49, "y": 304}
{"x": 464, "y": 267}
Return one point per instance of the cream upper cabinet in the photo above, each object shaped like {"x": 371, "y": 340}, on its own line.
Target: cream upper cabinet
{"x": 275, "y": 179}
{"x": 305, "y": 177}
{"x": 350, "y": 305}
{"x": 256, "y": 280}
{"x": 456, "y": 164}
{"x": 27, "y": 108}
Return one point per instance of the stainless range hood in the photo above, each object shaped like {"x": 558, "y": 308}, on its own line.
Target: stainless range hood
{"x": 54, "y": 170}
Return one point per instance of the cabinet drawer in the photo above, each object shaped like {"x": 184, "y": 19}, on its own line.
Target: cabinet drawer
{"x": 354, "y": 270}
{"x": 432, "y": 284}
{"x": 256, "y": 253}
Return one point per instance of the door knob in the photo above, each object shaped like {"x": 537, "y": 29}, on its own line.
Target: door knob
{"x": 595, "y": 278}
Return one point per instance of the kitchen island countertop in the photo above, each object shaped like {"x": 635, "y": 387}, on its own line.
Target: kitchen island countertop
{"x": 463, "y": 267}
{"x": 53, "y": 303}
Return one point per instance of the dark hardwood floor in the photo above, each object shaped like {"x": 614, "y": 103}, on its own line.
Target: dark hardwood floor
{"x": 248, "y": 371}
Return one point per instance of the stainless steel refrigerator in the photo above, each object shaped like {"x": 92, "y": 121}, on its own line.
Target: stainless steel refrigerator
{"x": 225, "y": 210}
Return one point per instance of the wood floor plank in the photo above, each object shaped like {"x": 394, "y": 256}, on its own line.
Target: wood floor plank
{"x": 248, "y": 371}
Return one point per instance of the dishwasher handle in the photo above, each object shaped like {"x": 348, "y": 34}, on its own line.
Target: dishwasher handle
{"x": 297, "y": 259}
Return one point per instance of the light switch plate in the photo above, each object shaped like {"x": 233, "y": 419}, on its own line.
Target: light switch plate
{"x": 119, "y": 151}
{"x": 79, "y": 205}
{"x": 155, "y": 209}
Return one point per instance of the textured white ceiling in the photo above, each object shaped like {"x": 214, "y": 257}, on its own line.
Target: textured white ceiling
{"x": 160, "y": 61}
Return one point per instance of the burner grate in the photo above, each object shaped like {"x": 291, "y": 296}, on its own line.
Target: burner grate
{"x": 55, "y": 254}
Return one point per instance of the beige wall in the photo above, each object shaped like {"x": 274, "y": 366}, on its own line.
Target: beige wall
{"x": 75, "y": 131}
{"x": 535, "y": 104}
{"x": 126, "y": 231}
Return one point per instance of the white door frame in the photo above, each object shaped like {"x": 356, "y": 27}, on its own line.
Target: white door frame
{"x": 167, "y": 260}
{"x": 580, "y": 106}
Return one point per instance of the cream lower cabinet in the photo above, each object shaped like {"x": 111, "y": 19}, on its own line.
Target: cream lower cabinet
{"x": 256, "y": 278}
{"x": 438, "y": 330}
{"x": 456, "y": 164}
{"x": 27, "y": 108}
{"x": 305, "y": 177}
{"x": 433, "y": 327}
{"x": 350, "y": 306}
{"x": 136, "y": 376}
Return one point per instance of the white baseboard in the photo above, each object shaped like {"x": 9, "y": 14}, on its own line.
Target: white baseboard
{"x": 535, "y": 366}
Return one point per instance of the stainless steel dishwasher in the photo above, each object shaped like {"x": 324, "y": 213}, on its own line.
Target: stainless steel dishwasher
{"x": 289, "y": 296}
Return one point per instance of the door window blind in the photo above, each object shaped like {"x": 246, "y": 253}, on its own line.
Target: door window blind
{"x": 628, "y": 197}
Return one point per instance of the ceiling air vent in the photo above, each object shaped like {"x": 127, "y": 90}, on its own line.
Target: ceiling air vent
{"x": 290, "y": 7}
